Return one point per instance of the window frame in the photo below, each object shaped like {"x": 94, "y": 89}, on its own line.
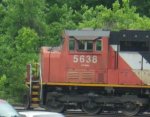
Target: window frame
{"x": 85, "y": 45}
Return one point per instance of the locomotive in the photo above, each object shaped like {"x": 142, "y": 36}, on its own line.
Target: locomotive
{"x": 93, "y": 70}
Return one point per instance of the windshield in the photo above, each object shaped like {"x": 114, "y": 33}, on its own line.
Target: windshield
{"x": 85, "y": 45}
{"x": 6, "y": 110}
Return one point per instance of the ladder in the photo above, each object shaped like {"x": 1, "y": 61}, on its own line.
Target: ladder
{"x": 35, "y": 85}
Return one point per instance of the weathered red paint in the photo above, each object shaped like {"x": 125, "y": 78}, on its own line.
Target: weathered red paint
{"x": 119, "y": 72}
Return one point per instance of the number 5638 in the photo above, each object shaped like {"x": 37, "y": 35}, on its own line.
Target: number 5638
{"x": 84, "y": 59}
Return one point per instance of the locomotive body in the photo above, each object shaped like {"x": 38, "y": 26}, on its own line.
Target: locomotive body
{"x": 119, "y": 58}
{"x": 95, "y": 69}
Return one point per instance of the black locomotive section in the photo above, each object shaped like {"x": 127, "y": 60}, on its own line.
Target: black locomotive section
{"x": 132, "y": 41}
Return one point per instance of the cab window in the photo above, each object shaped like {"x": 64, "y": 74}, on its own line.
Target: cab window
{"x": 85, "y": 45}
{"x": 71, "y": 44}
{"x": 98, "y": 45}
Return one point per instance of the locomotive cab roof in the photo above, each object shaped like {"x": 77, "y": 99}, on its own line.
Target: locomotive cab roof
{"x": 87, "y": 34}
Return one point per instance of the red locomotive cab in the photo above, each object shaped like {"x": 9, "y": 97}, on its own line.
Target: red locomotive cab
{"x": 82, "y": 58}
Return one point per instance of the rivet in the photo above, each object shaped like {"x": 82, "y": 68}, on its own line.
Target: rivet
{"x": 124, "y": 35}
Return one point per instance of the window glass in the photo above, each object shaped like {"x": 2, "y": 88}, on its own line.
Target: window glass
{"x": 71, "y": 44}
{"x": 98, "y": 45}
{"x": 134, "y": 46}
{"x": 89, "y": 45}
{"x": 85, "y": 45}
{"x": 81, "y": 45}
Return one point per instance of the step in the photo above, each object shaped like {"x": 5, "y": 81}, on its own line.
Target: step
{"x": 36, "y": 87}
{"x": 35, "y": 81}
{"x": 35, "y": 105}
{"x": 35, "y": 99}
{"x": 35, "y": 93}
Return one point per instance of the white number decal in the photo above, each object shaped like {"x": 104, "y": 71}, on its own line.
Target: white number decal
{"x": 75, "y": 58}
{"x": 94, "y": 59}
{"x": 84, "y": 59}
{"x": 88, "y": 59}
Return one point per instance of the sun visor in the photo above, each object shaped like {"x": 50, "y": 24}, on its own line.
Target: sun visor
{"x": 87, "y": 34}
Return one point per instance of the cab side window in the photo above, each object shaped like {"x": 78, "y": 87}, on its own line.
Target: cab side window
{"x": 90, "y": 45}
{"x": 98, "y": 45}
{"x": 71, "y": 44}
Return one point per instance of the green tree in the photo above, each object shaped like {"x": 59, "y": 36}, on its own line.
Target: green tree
{"x": 28, "y": 13}
{"x": 58, "y": 19}
{"x": 124, "y": 17}
{"x": 26, "y": 41}
{"x": 14, "y": 60}
{"x": 3, "y": 87}
{"x": 22, "y": 27}
{"x": 76, "y": 4}
{"x": 142, "y": 6}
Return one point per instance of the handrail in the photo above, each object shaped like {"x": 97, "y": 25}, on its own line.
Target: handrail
{"x": 35, "y": 76}
{"x": 30, "y": 68}
{"x": 41, "y": 83}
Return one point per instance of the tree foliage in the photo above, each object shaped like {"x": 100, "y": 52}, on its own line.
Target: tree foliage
{"x": 120, "y": 17}
{"x": 142, "y": 6}
{"x": 26, "y": 41}
{"x": 63, "y": 19}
